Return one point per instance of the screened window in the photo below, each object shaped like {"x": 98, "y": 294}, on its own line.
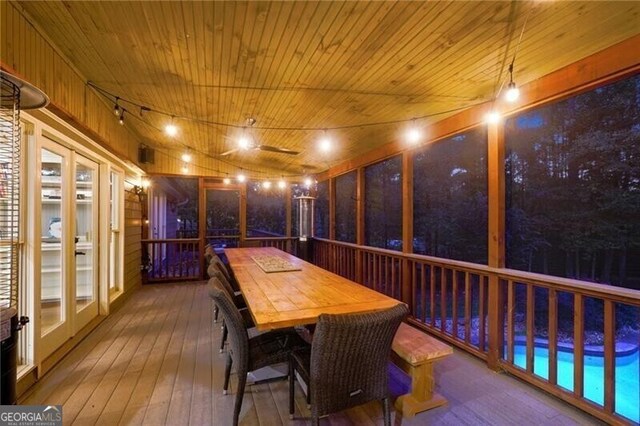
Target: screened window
{"x": 573, "y": 187}
{"x": 450, "y": 198}
{"x": 383, "y": 204}
{"x": 346, "y": 207}
{"x": 266, "y": 211}
{"x": 321, "y": 214}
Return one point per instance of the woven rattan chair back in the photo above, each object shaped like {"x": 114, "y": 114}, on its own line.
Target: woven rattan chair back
{"x": 239, "y": 340}
{"x": 215, "y": 261}
{"x": 349, "y": 359}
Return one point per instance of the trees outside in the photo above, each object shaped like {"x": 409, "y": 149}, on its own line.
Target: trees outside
{"x": 573, "y": 187}
{"x": 450, "y": 197}
{"x": 321, "y": 214}
{"x": 346, "y": 207}
{"x": 383, "y": 204}
{"x": 266, "y": 211}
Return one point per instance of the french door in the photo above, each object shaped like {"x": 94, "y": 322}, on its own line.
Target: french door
{"x": 68, "y": 243}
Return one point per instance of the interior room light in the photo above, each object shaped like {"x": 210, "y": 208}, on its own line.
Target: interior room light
{"x": 282, "y": 184}
{"x": 171, "y": 129}
{"x": 226, "y": 181}
{"x": 241, "y": 178}
{"x": 145, "y": 183}
{"x": 492, "y": 117}
{"x": 186, "y": 157}
{"x": 266, "y": 184}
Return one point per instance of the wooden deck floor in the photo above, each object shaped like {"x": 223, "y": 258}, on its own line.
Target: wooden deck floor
{"x": 155, "y": 361}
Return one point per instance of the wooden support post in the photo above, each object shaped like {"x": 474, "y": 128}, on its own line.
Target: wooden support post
{"x": 407, "y": 227}
{"x": 360, "y": 240}
{"x": 496, "y": 243}
{"x": 332, "y": 208}
{"x": 202, "y": 226}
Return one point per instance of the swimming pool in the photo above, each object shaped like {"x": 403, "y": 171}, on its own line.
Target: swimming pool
{"x": 627, "y": 377}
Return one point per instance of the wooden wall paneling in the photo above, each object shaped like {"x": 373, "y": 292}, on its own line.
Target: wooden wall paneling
{"x": 132, "y": 236}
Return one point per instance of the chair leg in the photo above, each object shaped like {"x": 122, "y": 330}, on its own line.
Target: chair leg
{"x": 224, "y": 337}
{"x": 386, "y": 411}
{"x": 315, "y": 420}
{"x": 227, "y": 373}
{"x": 215, "y": 313}
{"x": 242, "y": 381}
{"x": 292, "y": 390}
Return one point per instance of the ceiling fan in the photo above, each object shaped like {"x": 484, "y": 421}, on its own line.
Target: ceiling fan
{"x": 246, "y": 142}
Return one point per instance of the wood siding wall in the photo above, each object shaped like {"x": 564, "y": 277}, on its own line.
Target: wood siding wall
{"x": 26, "y": 52}
{"x": 132, "y": 236}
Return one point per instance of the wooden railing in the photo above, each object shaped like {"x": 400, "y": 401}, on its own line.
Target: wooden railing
{"x": 495, "y": 314}
{"x": 288, "y": 244}
{"x": 171, "y": 259}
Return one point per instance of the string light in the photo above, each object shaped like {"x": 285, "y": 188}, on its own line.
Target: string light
{"x": 325, "y": 143}
{"x": 282, "y": 184}
{"x": 116, "y": 108}
{"x": 513, "y": 93}
{"x": 492, "y": 117}
{"x": 171, "y": 129}
{"x": 266, "y": 184}
{"x": 413, "y": 134}
{"x": 226, "y": 181}
{"x": 241, "y": 177}
{"x": 185, "y": 169}
{"x": 121, "y": 120}
{"x": 308, "y": 182}
{"x": 186, "y": 157}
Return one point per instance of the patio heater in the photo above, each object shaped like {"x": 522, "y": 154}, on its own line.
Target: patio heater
{"x": 14, "y": 95}
{"x": 305, "y": 224}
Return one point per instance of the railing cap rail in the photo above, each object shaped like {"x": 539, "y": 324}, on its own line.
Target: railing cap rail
{"x": 169, "y": 240}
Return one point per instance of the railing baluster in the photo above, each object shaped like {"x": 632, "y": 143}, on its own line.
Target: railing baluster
{"x": 578, "y": 344}
{"x": 467, "y": 308}
{"x": 454, "y": 303}
{"x": 443, "y": 299}
{"x": 511, "y": 297}
{"x": 531, "y": 306}
{"x": 432, "y": 296}
{"x": 553, "y": 336}
{"x": 393, "y": 278}
{"x": 609, "y": 356}
{"x": 481, "y": 313}
{"x": 423, "y": 279}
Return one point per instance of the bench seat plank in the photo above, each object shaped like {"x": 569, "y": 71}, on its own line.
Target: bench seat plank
{"x": 417, "y": 347}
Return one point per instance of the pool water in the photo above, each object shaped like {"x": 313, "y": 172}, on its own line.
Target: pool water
{"x": 627, "y": 377}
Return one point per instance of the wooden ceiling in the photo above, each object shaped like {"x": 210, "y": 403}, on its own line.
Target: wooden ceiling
{"x": 314, "y": 65}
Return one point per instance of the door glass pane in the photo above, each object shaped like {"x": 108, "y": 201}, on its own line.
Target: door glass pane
{"x": 85, "y": 235}
{"x": 223, "y": 217}
{"x": 51, "y": 300}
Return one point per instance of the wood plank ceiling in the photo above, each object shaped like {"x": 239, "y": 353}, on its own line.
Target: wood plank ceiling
{"x": 313, "y": 65}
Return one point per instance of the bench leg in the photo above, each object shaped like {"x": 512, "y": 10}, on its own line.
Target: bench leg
{"x": 423, "y": 396}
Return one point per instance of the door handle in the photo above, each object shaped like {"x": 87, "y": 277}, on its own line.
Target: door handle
{"x": 79, "y": 253}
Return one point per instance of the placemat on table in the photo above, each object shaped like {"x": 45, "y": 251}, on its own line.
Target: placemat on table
{"x": 274, "y": 264}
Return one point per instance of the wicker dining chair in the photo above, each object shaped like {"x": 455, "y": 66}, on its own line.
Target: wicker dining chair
{"x": 247, "y": 320}
{"x": 346, "y": 365}
{"x": 249, "y": 354}
{"x": 215, "y": 260}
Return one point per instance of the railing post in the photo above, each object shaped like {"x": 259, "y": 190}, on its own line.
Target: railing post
{"x": 407, "y": 227}
{"x": 360, "y": 239}
{"x": 496, "y": 243}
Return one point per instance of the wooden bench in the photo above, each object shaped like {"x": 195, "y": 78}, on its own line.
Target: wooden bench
{"x": 415, "y": 353}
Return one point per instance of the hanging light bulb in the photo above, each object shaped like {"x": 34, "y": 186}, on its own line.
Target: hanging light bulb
{"x": 121, "y": 120}
{"x": 226, "y": 181}
{"x": 185, "y": 168}
{"x": 492, "y": 117}
{"x": 308, "y": 182}
{"x": 171, "y": 129}
{"x": 186, "y": 157}
{"x": 513, "y": 93}
{"x": 413, "y": 134}
{"x": 282, "y": 184}
{"x": 266, "y": 184}
{"x": 241, "y": 177}
{"x": 116, "y": 108}
{"x": 325, "y": 144}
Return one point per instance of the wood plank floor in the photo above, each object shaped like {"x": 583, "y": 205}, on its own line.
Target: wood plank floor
{"x": 156, "y": 361}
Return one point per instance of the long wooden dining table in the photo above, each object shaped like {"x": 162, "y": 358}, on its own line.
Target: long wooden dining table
{"x": 296, "y": 297}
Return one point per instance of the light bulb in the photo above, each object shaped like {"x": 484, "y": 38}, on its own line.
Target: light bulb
{"x": 325, "y": 144}
{"x": 116, "y": 109}
{"x": 121, "y": 120}
{"x": 413, "y": 135}
{"x": 185, "y": 169}
{"x": 282, "y": 184}
{"x": 244, "y": 143}
{"x": 308, "y": 182}
{"x": 145, "y": 183}
{"x": 513, "y": 93}
{"x": 226, "y": 181}
{"x": 266, "y": 184}
{"x": 492, "y": 117}
{"x": 171, "y": 129}
{"x": 186, "y": 158}
{"x": 241, "y": 178}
